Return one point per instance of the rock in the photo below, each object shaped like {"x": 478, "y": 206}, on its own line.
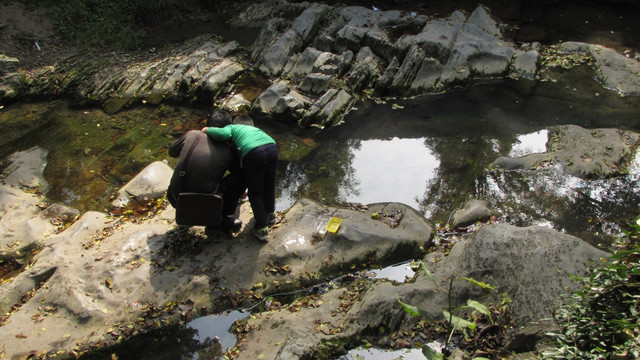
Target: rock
{"x": 305, "y": 234}
{"x": 417, "y": 73}
{"x": 348, "y": 38}
{"x": 532, "y": 265}
{"x": 437, "y": 37}
{"x": 366, "y": 69}
{"x": 531, "y": 337}
{"x": 99, "y": 273}
{"x": 217, "y": 77}
{"x": 277, "y": 54}
{"x": 280, "y": 102}
{"x": 525, "y": 64}
{"x": 315, "y": 83}
{"x": 303, "y": 63}
{"x": 62, "y": 212}
{"x": 236, "y": 103}
{"x": 614, "y": 70}
{"x": 99, "y": 277}
{"x": 329, "y": 110}
{"x": 400, "y": 53}
{"x": 258, "y": 14}
{"x": 149, "y": 184}
{"x": 26, "y": 168}
{"x": 308, "y": 22}
{"x": 12, "y": 81}
{"x": 266, "y": 102}
{"x": 586, "y": 153}
{"x": 473, "y": 211}
{"x": 515, "y": 259}
{"x": 290, "y": 107}
{"x": 22, "y": 224}
{"x": 477, "y": 51}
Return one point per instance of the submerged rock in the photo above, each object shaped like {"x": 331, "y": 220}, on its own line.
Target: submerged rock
{"x": 616, "y": 71}
{"x": 587, "y": 153}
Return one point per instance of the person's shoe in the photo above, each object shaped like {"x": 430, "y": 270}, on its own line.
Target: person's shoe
{"x": 272, "y": 219}
{"x": 229, "y": 223}
{"x": 262, "y": 234}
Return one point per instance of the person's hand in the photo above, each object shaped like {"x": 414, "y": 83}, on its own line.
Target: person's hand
{"x": 204, "y": 129}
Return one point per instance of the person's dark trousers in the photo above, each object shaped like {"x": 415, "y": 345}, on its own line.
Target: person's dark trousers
{"x": 259, "y": 167}
{"x": 232, "y": 188}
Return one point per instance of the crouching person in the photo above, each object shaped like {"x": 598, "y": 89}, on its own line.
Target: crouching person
{"x": 204, "y": 167}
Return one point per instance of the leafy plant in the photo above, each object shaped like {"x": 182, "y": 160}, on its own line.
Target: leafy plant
{"x": 600, "y": 321}
{"x": 451, "y": 315}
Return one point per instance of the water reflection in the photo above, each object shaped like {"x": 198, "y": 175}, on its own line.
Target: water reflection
{"x": 529, "y": 144}
{"x": 216, "y": 327}
{"x": 429, "y": 152}
{"x": 379, "y": 354}
{"x": 389, "y": 170}
{"x": 397, "y": 273}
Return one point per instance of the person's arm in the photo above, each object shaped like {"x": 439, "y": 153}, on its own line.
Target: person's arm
{"x": 221, "y": 134}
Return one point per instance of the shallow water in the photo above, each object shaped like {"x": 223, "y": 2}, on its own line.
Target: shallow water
{"x": 378, "y": 354}
{"x": 430, "y": 152}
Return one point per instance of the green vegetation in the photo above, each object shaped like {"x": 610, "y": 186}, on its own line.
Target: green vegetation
{"x": 454, "y": 320}
{"x": 115, "y": 24}
{"x": 601, "y": 320}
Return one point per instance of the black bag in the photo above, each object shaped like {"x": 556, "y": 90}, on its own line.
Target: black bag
{"x": 199, "y": 209}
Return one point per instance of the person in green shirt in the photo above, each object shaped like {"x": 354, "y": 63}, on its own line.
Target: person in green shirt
{"x": 259, "y": 157}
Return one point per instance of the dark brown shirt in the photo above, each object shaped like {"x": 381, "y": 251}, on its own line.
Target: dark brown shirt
{"x": 207, "y": 165}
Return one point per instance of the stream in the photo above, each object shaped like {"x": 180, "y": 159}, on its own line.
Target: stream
{"x": 431, "y": 153}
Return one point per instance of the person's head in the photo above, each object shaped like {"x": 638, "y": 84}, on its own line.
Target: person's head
{"x": 218, "y": 118}
{"x": 243, "y": 119}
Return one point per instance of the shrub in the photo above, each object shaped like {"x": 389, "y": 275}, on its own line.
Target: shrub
{"x": 601, "y": 320}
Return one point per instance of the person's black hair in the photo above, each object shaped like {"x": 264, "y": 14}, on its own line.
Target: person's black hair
{"x": 218, "y": 118}
{"x": 243, "y": 119}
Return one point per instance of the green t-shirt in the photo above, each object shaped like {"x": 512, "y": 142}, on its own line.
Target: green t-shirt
{"x": 245, "y": 137}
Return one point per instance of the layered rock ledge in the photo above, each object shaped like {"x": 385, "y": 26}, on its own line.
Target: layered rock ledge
{"x": 316, "y": 61}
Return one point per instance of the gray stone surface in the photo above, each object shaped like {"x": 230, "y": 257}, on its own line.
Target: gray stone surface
{"x": 296, "y": 40}
{"x": 587, "y": 153}
{"x": 474, "y": 210}
{"x": 531, "y": 265}
{"x": 616, "y": 71}
{"x": 101, "y": 275}
{"x": 12, "y": 81}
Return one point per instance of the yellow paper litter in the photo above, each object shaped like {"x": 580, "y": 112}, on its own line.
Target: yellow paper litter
{"x": 334, "y": 224}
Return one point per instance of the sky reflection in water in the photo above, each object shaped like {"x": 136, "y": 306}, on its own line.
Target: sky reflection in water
{"x": 526, "y": 144}
{"x": 395, "y": 170}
